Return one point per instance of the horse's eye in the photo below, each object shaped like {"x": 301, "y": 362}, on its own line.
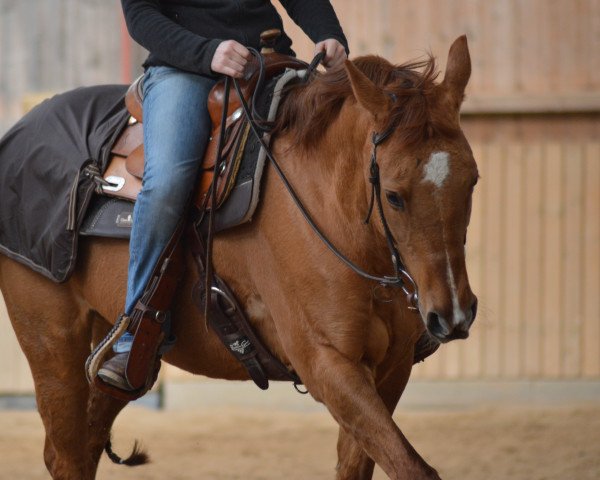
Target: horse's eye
{"x": 395, "y": 200}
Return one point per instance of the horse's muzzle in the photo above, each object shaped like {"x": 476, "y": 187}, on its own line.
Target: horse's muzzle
{"x": 453, "y": 326}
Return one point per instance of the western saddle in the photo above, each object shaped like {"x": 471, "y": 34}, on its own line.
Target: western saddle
{"x": 125, "y": 169}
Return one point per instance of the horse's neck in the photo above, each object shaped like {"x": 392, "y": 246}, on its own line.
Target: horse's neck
{"x": 331, "y": 179}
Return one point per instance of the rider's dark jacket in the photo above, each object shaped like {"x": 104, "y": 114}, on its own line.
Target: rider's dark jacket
{"x": 186, "y": 33}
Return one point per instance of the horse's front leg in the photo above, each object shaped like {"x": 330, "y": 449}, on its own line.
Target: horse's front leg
{"x": 102, "y": 409}
{"x": 353, "y": 462}
{"x": 348, "y": 390}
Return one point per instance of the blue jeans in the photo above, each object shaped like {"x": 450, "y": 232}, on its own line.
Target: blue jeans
{"x": 177, "y": 127}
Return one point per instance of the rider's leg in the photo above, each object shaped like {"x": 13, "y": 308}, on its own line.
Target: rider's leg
{"x": 176, "y": 131}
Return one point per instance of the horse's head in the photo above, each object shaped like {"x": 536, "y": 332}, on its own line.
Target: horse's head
{"x": 427, "y": 176}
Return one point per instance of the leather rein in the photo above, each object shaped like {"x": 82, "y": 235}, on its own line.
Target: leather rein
{"x": 401, "y": 278}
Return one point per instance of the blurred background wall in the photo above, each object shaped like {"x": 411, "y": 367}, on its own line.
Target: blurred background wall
{"x": 532, "y": 116}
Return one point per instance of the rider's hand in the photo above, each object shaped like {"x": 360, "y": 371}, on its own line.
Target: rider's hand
{"x": 335, "y": 53}
{"x": 230, "y": 58}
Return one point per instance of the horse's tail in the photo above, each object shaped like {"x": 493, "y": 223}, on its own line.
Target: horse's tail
{"x": 137, "y": 456}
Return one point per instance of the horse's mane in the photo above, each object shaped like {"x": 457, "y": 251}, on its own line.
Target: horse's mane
{"x": 311, "y": 107}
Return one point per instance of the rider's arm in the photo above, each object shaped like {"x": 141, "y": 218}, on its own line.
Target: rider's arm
{"x": 168, "y": 41}
{"x": 317, "y": 18}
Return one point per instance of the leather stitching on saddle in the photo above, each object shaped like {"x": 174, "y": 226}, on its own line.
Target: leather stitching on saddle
{"x": 237, "y": 162}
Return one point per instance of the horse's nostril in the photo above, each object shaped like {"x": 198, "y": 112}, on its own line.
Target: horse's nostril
{"x": 473, "y": 311}
{"x": 437, "y": 326}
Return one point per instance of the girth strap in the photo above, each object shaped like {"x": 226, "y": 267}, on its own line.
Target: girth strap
{"x": 222, "y": 309}
{"x": 227, "y": 318}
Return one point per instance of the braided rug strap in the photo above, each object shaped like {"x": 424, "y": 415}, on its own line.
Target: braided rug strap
{"x": 96, "y": 358}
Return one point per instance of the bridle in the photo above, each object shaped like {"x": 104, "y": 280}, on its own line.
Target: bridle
{"x": 401, "y": 278}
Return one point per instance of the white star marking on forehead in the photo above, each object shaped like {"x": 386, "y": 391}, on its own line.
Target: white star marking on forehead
{"x": 437, "y": 168}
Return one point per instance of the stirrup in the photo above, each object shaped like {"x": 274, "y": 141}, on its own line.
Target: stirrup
{"x": 96, "y": 358}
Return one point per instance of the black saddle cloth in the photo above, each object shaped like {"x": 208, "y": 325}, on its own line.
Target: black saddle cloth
{"x": 42, "y": 162}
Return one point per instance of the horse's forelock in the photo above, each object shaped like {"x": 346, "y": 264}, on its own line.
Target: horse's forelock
{"x": 310, "y": 108}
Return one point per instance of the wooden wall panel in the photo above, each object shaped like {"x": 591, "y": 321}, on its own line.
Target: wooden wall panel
{"x": 591, "y": 263}
{"x": 551, "y": 272}
{"x": 55, "y": 45}
{"x": 533, "y": 54}
{"x": 572, "y": 260}
{"x": 527, "y": 51}
{"x": 513, "y": 220}
{"x": 492, "y": 301}
{"x": 531, "y": 352}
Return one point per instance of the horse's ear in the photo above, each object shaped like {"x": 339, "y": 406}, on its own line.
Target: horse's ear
{"x": 458, "y": 69}
{"x": 369, "y": 95}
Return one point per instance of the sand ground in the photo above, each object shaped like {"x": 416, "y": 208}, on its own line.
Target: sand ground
{"x": 488, "y": 443}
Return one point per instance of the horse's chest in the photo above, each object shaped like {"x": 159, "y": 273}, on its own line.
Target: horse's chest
{"x": 377, "y": 340}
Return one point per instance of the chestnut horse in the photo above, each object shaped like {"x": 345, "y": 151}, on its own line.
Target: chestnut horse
{"x": 353, "y": 351}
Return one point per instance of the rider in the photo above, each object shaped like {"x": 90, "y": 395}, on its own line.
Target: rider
{"x": 191, "y": 43}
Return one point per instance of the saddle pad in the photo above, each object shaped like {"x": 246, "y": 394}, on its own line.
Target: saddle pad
{"x": 108, "y": 217}
{"x": 243, "y": 199}
{"x": 46, "y": 165}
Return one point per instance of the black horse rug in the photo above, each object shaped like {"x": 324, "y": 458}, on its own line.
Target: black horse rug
{"x": 51, "y": 160}
{"x": 47, "y": 161}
